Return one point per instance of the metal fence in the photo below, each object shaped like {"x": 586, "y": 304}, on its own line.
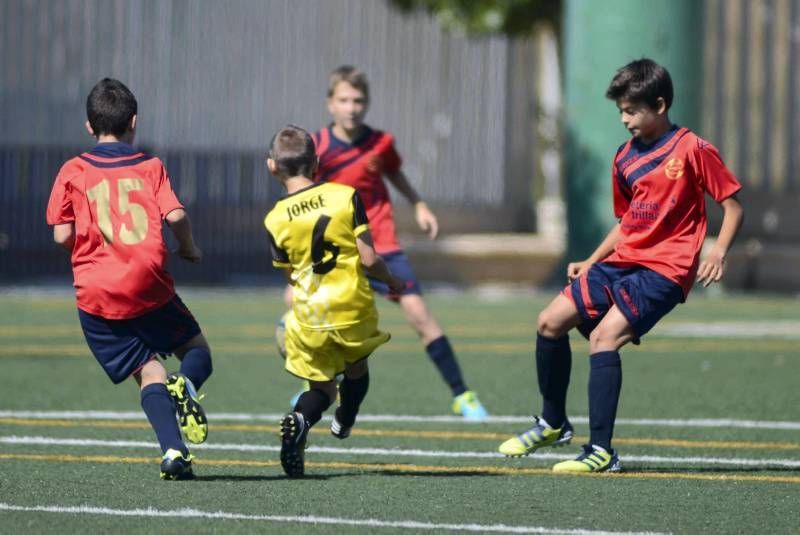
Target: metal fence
{"x": 214, "y": 80}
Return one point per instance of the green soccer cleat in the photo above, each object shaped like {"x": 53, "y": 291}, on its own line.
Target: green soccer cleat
{"x": 174, "y": 466}
{"x": 592, "y": 459}
{"x": 191, "y": 415}
{"x": 469, "y": 406}
{"x": 538, "y": 436}
{"x": 294, "y": 431}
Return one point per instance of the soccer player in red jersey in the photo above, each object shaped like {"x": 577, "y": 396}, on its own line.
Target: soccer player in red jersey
{"x": 644, "y": 267}
{"x": 352, "y": 153}
{"x": 107, "y": 207}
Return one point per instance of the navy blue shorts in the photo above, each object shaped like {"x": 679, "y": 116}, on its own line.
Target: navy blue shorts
{"x": 123, "y": 346}
{"x": 642, "y": 295}
{"x": 401, "y": 268}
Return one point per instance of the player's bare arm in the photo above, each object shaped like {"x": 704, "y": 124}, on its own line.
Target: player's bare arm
{"x": 181, "y": 227}
{"x": 426, "y": 219}
{"x": 374, "y": 264}
{"x": 64, "y": 235}
{"x": 712, "y": 268}
{"x": 606, "y": 247}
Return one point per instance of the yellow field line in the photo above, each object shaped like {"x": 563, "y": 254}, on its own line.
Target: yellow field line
{"x": 445, "y": 435}
{"x": 401, "y": 468}
{"x": 266, "y": 348}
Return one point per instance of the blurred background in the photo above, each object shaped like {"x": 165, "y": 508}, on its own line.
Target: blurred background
{"x": 497, "y": 105}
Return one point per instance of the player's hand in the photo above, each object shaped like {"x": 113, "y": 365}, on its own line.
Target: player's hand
{"x": 396, "y": 286}
{"x": 711, "y": 269}
{"x": 426, "y": 220}
{"x": 192, "y": 254}
{"x": 576, "y": 269}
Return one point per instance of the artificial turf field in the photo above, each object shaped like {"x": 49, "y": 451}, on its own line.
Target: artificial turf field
{"x": 708, "y": 430}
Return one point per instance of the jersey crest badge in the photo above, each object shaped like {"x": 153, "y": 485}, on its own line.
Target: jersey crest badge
{"x": 674, "y": 168}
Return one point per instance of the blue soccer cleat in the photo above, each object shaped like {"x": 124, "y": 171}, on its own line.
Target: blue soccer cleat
{"x": 469, "y": 406}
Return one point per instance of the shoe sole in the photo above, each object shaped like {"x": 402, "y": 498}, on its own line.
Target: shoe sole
{"x": 193, "y": 421}
{"x": 557, "y": 444}
{"x": 292, "y": 455}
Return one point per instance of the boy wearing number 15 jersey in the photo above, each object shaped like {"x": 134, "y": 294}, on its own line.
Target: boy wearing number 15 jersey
{"x": 320, "y": 235}
{"x": 107, "y": 207}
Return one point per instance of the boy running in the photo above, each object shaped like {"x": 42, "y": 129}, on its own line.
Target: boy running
{"x": 319, "y": 234}
{"x": 107, "y": 207}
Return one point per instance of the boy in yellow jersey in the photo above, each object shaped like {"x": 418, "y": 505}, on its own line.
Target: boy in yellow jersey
{"x": 319, "y": 234}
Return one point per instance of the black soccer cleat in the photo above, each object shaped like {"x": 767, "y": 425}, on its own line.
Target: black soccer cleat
{"x": 339, "y": 430}
{"x": 294, "y": 431}
{"x": 175, "y": 466}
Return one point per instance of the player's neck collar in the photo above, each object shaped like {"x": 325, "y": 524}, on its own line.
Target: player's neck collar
{"x": 113, "y": 149}
{"x": 301, "y": 190}
{"x": 366, "y": 131}
{"x": 658, "y": 142}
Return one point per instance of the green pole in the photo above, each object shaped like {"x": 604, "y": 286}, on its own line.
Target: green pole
{"x": 599, "y": 38}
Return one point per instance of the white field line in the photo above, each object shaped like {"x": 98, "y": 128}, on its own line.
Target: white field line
{"x": 780, "y": 329}
{"x": 305, "y": 519}
{"x": 398, "y": 418}
{"x": 392, "y": 452}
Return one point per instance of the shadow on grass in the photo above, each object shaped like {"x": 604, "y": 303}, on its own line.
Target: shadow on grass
{"x": 710, "y": 470}
{"x": 276, "y": 477}
{"x": 326, "y": 476}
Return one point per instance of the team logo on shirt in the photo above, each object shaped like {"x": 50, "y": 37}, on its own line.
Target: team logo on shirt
{"x": 674, "y": 168}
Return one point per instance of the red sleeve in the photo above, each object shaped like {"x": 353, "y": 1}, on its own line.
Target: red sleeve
{"x": 59, "y": 207}
{"x": 390, "y": 158}
{"x": 714, "y": 177}
{"x": 622, "y": 192}
{"x": 165, "y": 197}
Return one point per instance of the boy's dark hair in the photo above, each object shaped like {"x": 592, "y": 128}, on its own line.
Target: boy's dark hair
{"x": 110, "y": 107}
{"x": 351, "y": 75}
{"x": 642, "y": 80}
{"x": 293, "y": 151}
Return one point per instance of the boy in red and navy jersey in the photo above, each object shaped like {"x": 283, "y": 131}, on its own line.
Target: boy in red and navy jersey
{"x": 642, "y": 269}
{"x": 352, "y": 153}
{"x": 107, "y": 207}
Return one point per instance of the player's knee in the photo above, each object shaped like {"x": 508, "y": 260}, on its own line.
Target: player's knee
{"x": 548, "y": 325}
{"x": 356, "y": 370}
{"x": 328, "y": 388}
{"x": 602, "y": 339}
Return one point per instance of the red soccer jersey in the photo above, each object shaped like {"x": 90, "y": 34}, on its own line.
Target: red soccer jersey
{"x": 117, "y": 198}
{"x": 659, "y": 197}
{"x": 362, "y": 165}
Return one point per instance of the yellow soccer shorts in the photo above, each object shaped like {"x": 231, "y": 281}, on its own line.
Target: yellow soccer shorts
{"x": 321, "y": 355}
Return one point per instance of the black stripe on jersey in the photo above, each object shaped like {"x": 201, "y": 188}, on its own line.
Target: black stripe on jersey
{"x": 359, "y": 212}
{"x": 278, "y": 254}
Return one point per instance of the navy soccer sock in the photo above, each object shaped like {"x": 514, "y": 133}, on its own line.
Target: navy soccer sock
{"x": 351, "y": 393}
{"x": 605, "y": 384}
{"x": 553, "y": 368}
{"x": 441, "y": 353}
{"x": 311, "y": 404}
{"x": 196, "y": 365}
{"x": 157, "y": 405}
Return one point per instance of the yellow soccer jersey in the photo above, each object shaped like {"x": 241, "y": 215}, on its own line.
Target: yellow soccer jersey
{"x": 313, "y": 231}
